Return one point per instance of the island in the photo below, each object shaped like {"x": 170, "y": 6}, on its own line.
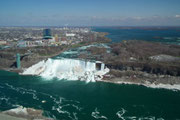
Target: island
{"x": 139, "y": 62}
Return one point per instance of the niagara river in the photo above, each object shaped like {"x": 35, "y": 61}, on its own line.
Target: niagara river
{"x": 62, "y": 97}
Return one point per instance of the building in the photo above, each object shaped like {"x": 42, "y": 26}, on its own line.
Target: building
{"x": 2, "y": 42}
{"x": 30, "y": 43}
{"x": 21, "y": 43}
{"x": 56, "y": 38}
{"x": 47, "y": 34}
{"x": 70, "y": 34}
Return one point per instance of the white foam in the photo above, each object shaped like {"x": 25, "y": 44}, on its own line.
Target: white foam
{"x": 61, "y": 106}
{"x": 69, "y": 69}
{"x": 122, "y": 116}
{"x": 121, "y": 113}
{"x": 96, "y": 114}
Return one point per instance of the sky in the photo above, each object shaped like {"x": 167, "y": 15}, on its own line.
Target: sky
{"x": 89, "y": 12}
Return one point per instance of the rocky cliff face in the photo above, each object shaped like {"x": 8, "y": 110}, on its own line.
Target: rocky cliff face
{"x": 29, "y": 56}
{"x": 154, "y": 58}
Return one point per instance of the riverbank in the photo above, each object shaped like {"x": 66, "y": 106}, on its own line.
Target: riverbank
{"x": 135, "y": 62}
{"x": 8, "y": 117}
{"x": 174, "y": 87}
{"x": 29, "y": 56}
{"x": 148, "y": 80}
{"x": 139, "y": 62}
{"x": 22, "y": 113}
{"x": 33, "y": 55}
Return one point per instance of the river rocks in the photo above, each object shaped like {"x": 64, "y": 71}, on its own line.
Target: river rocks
{"x": 26, "y": 113}
{"x": 139, "y": 77}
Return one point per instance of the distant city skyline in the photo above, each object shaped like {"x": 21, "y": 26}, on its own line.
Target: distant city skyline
{"x": 89, "y": 13}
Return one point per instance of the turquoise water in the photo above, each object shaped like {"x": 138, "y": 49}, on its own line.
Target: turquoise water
{"x": 88, "y": 101}
{"x": 77, "y": 100}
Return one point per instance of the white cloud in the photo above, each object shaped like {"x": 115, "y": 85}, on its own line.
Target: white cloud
{"x": 177, "y": 16}
{"x": 138, "y": 18}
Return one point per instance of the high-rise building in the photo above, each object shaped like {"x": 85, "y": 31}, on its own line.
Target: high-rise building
{"x": 56, "y": 38}
{"x": 47, "y": 34}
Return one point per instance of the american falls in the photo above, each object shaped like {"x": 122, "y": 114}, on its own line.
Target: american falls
{"x": 70, "y": 69}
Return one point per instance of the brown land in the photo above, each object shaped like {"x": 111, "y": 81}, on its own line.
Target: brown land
{"x": 32, "y": 55}
{"x": 139, "y": 62}
{"x": 29, "y": 56}
{"x": 129, "y": 61}
{"x": 22, "y": 113}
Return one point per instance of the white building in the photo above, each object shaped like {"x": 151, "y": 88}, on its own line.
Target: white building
{"x": 70, "y": 34}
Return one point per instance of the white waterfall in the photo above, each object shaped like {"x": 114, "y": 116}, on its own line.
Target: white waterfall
{"x": 69, "y": 69}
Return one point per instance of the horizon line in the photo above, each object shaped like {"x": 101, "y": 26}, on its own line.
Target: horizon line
{"x": 90, "y": 26}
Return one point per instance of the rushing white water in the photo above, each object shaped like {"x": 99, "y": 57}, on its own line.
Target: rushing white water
{"x": 96, "y": 114}
{"x": 69, "y": 69}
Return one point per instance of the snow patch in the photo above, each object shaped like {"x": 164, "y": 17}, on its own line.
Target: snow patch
{"x": 174, "y": 87}
{"x": 19, "y": 110}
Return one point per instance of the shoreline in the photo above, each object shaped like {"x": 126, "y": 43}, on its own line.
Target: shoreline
{"x": 23, "y": 113}
{"x": 39, "y": 53}
{"x": 175, "y": 87}
{"x": 122, "y": 71}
